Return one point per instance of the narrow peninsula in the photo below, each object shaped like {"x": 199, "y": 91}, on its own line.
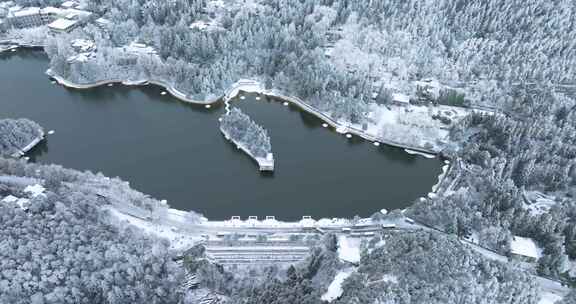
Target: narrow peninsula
{"x": 249, "y": 137}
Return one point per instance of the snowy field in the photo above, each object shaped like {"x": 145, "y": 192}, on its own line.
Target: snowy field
{"x": 335, "y": 288}
{"x": 349, "y": 249}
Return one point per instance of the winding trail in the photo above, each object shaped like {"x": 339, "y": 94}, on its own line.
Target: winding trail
{"x": 249, "y": 86}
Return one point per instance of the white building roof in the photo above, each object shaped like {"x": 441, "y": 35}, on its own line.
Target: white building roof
{"x": 525, "y": 247}
{"x": 82, "y": 44}
{"x": 10, "y": 199}
{"x": 14, "y": 8}
{"x": 62, "y": 24}
{"x": 29, "y": 11}
{"x": 140, "y": 48}
{"x": 398, "y": 97}
{"x": 80, "y": 13}
{"x": 23, "y": 203}
{"x": 6, "y": 4}
{"x": 201, "y": 25}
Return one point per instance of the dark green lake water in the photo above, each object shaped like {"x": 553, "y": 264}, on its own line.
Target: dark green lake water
{"x": 174, "y": 151}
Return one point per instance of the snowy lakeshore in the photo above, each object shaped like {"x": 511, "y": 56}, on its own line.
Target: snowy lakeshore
{"x": 172, "y": 90}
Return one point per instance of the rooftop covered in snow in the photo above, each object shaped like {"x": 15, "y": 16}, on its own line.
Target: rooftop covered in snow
{"x": 524, "y": 247}
{"x": 62, "y": 25}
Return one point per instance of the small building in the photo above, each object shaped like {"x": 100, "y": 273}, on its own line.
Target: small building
{"x": 63, "y": 25}
{"x": 401, "y": 98}
{"x": 35, "y": 190}
{"x": 524, "y": 249}
{"x": 26, "y": 17}
{"x": 199, "y": 25}
{"x": 267, "y": 163}
{"x": 83, "y": 45}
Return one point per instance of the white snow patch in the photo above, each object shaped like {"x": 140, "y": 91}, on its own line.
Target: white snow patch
{"x": 21, "y": 202}
{"x": 10, "y": 199}
{"x": 402, "y": 98}
{"x": 335, "y": 289}
{"x": 549, "y": 298}
{"x": 525, "y": 247}
{"x": 349, "y": 249}
{"x": 390, "y": 278}
{"x": 540, "y": 202}
{"x": 35, "y": 190}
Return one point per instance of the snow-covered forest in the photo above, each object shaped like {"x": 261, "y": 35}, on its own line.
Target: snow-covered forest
{"x": 333, "y": 52}
{"x": 515, "y": 169}
{"x": 505, "y": 159}
{"x": 16, "y": 134}
{"x": 243, "y": 131}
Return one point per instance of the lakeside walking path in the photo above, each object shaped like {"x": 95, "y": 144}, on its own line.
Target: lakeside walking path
{"x": 172, "y": 90}
{"x": 250, "y": 86}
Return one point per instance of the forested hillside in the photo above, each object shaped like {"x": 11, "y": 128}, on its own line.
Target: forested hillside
{"x": 482, "y": 47}
{"x": 430, "y": 268}
{"x": 515, "y": 164}
{"x": 62, "y": 248}
{"x": 505, "y": 159}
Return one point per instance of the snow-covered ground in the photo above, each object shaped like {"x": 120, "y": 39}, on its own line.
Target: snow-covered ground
{"x": 413, "y": 124}
{"x": 349, "y": 249}
{"x": 335, "y": 289}
{"x": 551, "y": 291}
{"x": 390, "y": 278}
{"x": 178, "y": 239}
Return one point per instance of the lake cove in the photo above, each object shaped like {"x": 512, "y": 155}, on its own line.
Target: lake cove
{"x": 174, "y": 151}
